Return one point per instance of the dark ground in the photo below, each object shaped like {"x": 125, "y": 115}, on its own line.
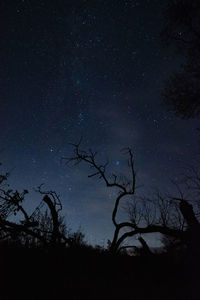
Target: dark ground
{"x": 87, "y": 274}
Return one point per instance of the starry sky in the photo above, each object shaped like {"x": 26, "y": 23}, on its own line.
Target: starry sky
{"x": 90, "y": 68}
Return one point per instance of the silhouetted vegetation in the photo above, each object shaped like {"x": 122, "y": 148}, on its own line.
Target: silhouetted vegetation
{"x": 41, "y": 259}
{"x": 182, "y": 29}
{"x": 173, "y": 217}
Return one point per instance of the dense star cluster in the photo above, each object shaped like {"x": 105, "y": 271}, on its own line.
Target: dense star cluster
{"x": 95, "y": 69}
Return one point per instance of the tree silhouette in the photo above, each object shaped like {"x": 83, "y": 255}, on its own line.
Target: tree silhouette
{"x": 182, "y": 28}
{"x": 125, "y": 187}
{"x": 41, "y": 228}
{"x": 171, "y": 217}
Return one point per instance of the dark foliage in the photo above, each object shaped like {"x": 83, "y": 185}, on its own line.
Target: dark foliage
{"x": 182, "y": 92}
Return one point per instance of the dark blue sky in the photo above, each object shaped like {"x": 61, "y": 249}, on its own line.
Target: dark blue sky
{"x": 94, "y": 69}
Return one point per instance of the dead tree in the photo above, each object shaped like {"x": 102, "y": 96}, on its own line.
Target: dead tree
{"x": 31, "y": 228}
{"x": 136, "y": 225}
{"x": 125, "y": 188}
{"x": 57, "y": 226}
{"x": 165, "y": 216}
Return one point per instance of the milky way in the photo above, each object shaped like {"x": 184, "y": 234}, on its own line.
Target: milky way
{"x": 94, "y": 69}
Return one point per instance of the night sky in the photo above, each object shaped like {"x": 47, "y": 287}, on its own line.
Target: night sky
{"x": 95, "y": 69}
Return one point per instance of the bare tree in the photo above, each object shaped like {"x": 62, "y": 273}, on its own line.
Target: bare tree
{"x": 39, "y": 228}
{"x": 52, "y": 221}
{"x": 145, "y": 216}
